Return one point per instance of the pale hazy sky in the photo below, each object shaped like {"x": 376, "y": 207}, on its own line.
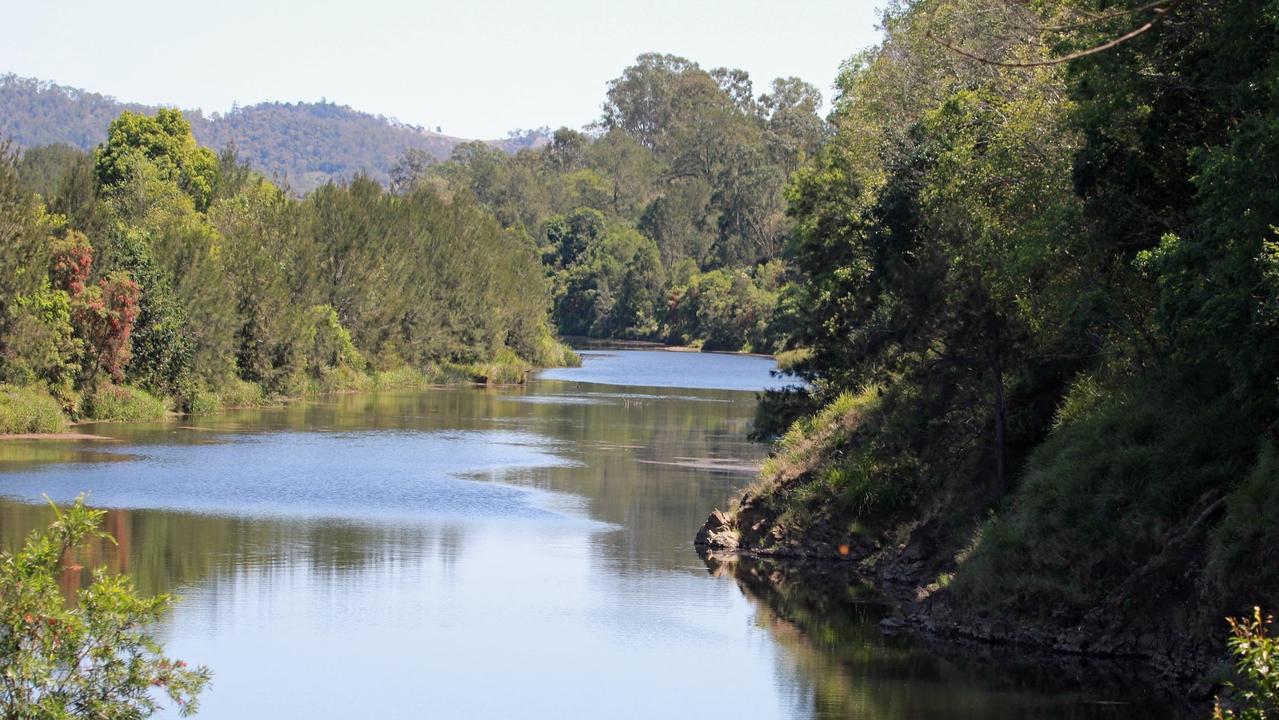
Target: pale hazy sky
{"x": 478, "y": 68}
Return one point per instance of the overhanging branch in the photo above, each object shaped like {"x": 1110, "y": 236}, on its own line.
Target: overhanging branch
{"x": 1162, "y": 10}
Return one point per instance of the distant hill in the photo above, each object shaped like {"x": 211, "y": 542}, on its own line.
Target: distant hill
{"x": 302, "y": 144}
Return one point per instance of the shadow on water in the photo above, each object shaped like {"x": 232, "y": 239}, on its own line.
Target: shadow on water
{"x": 828, "y": 621}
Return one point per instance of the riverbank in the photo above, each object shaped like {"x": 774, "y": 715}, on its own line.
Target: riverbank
{"x": 57, "y": 436}
{"x": 1182, "y": 665}
{"x": 833, "y": 602}
{"x": 821, "y": 499}
{"x": 32, "y": 413}
{"x": 578, "y": 342}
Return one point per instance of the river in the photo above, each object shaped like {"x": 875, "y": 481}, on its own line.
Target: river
{"x": 519, "y": 552}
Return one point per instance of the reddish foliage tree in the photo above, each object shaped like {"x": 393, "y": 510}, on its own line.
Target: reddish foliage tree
{"x": 104, "y": 315}
{"x": 72, "y": 261}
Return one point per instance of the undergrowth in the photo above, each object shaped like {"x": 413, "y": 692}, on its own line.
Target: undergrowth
{"x": 1100, "y": 495}
{"x": 28, "y": 409}
{"x": 122, "y": 402}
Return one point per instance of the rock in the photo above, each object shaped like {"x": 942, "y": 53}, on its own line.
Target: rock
{"x": 717, "y": 532}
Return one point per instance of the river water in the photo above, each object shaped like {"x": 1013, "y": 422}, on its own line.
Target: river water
{"x": 504, "y": 553}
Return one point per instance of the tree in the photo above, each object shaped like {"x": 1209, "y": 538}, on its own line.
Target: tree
{"x": 629, "y": 167}
{"x": 410, "y": 168}
{"x": 643, "y": 101}
{"x": 165, "y": 141}
{"x": 95, "y": 658}
{"x": 794, "y": 129}
{"x": 103, "y": 314}
{"x": 24, "y": 247}
{"x": 569, "y": 235}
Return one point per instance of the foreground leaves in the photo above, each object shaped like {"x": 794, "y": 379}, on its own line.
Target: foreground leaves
{"x": 93, "y": 658}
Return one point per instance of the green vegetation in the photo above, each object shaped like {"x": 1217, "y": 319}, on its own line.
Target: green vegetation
{"x": 28, "y": 410}
{"x": 95, "y": 657}
{"x": 121, "y": 402}
{"x": 1114, "y": 482}
{"x": 156, "y": 274}
{"x": 666, "y": 220}
{"x": 1256, "y": 653}
{"x": 1063, "y": 280}
{"x": 826, "y": 465}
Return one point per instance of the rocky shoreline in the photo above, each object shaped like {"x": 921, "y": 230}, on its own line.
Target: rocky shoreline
{"x": 906, "y": 578}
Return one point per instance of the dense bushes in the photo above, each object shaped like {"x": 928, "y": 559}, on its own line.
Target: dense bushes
{"x": 1256, "y": 652}
{"x": 832, "y": 465}
{"x": 1244, "y": 543}
{"x": 726, "y": 309}
{"x": 88, "y": 651}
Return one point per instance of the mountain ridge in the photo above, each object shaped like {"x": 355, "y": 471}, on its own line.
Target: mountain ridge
{"x": 301, "y": 144}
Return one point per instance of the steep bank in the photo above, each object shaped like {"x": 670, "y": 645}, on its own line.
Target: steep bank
{"x": 1131, "y": 532}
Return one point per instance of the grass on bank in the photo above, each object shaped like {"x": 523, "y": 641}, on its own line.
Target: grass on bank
{"x": 1101, "y": 495}
{"x": 122, "y": 402}
{"x": 29, "y": 409}
{"x": 827, "y": 466}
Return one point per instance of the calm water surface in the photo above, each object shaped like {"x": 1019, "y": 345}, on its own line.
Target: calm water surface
{"x": 521, "y": 553}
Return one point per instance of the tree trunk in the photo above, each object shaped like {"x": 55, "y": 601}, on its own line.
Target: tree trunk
{"x": 1000, "y": 405}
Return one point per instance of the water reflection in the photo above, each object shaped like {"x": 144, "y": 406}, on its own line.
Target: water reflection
{"x": 521, "y": 552}
{"x": 844, "y": 666}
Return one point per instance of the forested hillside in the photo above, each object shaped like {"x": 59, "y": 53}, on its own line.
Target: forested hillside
{"x": 302, "y": 145}
{"x": 155, "y": 274}
{"x": 666, "y": 219}
{"x": 1039, "y": 310}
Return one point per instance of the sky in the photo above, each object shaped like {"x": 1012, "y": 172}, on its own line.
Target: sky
{"x": 477, "y": 69}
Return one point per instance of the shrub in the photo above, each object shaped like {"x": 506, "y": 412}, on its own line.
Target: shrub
{"x": 336, "y": 379}
{"x": 550, "y": 352}
{"x": 241, "y": 394}
{"x": 331, "y": 343}
{"x": 94, "y": 657}
{"x": 29, "y": 410}
{"x": 1257, "y": 660}
{"x": 1085, "y": 395}
{"x": 506, "y": 368}
{"x": 401, "y": 377}
{"x": 41, "y": 343}
{"x": 1241, "y": 543}
{"x": 121, "y": 402}
{"x": 203, "y": 402}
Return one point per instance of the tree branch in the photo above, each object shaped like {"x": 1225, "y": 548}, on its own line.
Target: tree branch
{"x": 1169, "y": 6}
